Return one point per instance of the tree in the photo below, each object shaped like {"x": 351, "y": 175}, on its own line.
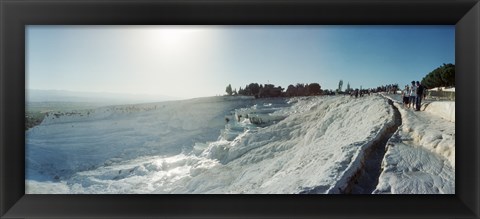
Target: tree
{"x": 340, "y": 85}
{"x": 254, "y": 89}
{"x": 314, "y": 89}
{"x": 240, "y": 91}
{"x": 235, "y": 92}
{"x": 229, "y": 89}
{"x": 301, "y": 90}
{"x": 247, "y": 90}
{"x": 291, "y": 91}
{"x": 448, "y": 75}
{"x": 348, "y": 87}
{"x": 430, "y": 80}
{"x": 443, "y": 76}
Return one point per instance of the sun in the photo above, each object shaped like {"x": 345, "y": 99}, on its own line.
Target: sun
{"x": 172, "y": 39}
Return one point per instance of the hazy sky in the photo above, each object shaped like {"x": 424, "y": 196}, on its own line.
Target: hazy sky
{"x": 193, "y": 61}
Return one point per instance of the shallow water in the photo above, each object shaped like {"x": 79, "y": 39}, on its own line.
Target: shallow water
{"x": 138, "y": 149}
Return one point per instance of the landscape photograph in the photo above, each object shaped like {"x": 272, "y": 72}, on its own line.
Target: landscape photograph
{"x": 254, "y": 109}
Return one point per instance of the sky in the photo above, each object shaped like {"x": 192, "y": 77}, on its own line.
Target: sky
{"x": 195, "y": 61}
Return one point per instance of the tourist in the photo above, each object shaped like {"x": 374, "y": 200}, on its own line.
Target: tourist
{"x": 413, "y": 93}
{"x": 420, "y": 91}
{"x": 406, "y": 96}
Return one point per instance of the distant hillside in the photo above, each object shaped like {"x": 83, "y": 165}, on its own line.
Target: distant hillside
{"x": 35, "y": 95}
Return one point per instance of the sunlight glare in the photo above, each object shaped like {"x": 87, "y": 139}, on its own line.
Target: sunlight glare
{"x": 171, "y": 39}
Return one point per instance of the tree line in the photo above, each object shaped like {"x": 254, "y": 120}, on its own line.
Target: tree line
{"x": 443, "y": 76}
{"x": 303, "y": 90}
{"x": 270, "y": 90}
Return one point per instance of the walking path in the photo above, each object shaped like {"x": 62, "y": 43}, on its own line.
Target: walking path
{"x": 367, "y": 178}
{"x": 420, "y": 156}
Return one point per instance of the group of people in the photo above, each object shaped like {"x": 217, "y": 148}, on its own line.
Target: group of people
{"x": 355, "y": 93}
{"x": 389, "y": 88}
{"x": 413, "y": 95}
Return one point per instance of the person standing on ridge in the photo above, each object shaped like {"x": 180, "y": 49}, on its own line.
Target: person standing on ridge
{"x": 420, "y": 90}
{"x": 406, "y": 96}
{"x": 413, "y": 93}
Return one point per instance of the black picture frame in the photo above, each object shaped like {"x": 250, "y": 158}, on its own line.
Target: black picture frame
{"x": 15, "y": 14}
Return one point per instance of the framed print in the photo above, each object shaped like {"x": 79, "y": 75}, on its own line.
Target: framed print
{"x": 239, "y": 109}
